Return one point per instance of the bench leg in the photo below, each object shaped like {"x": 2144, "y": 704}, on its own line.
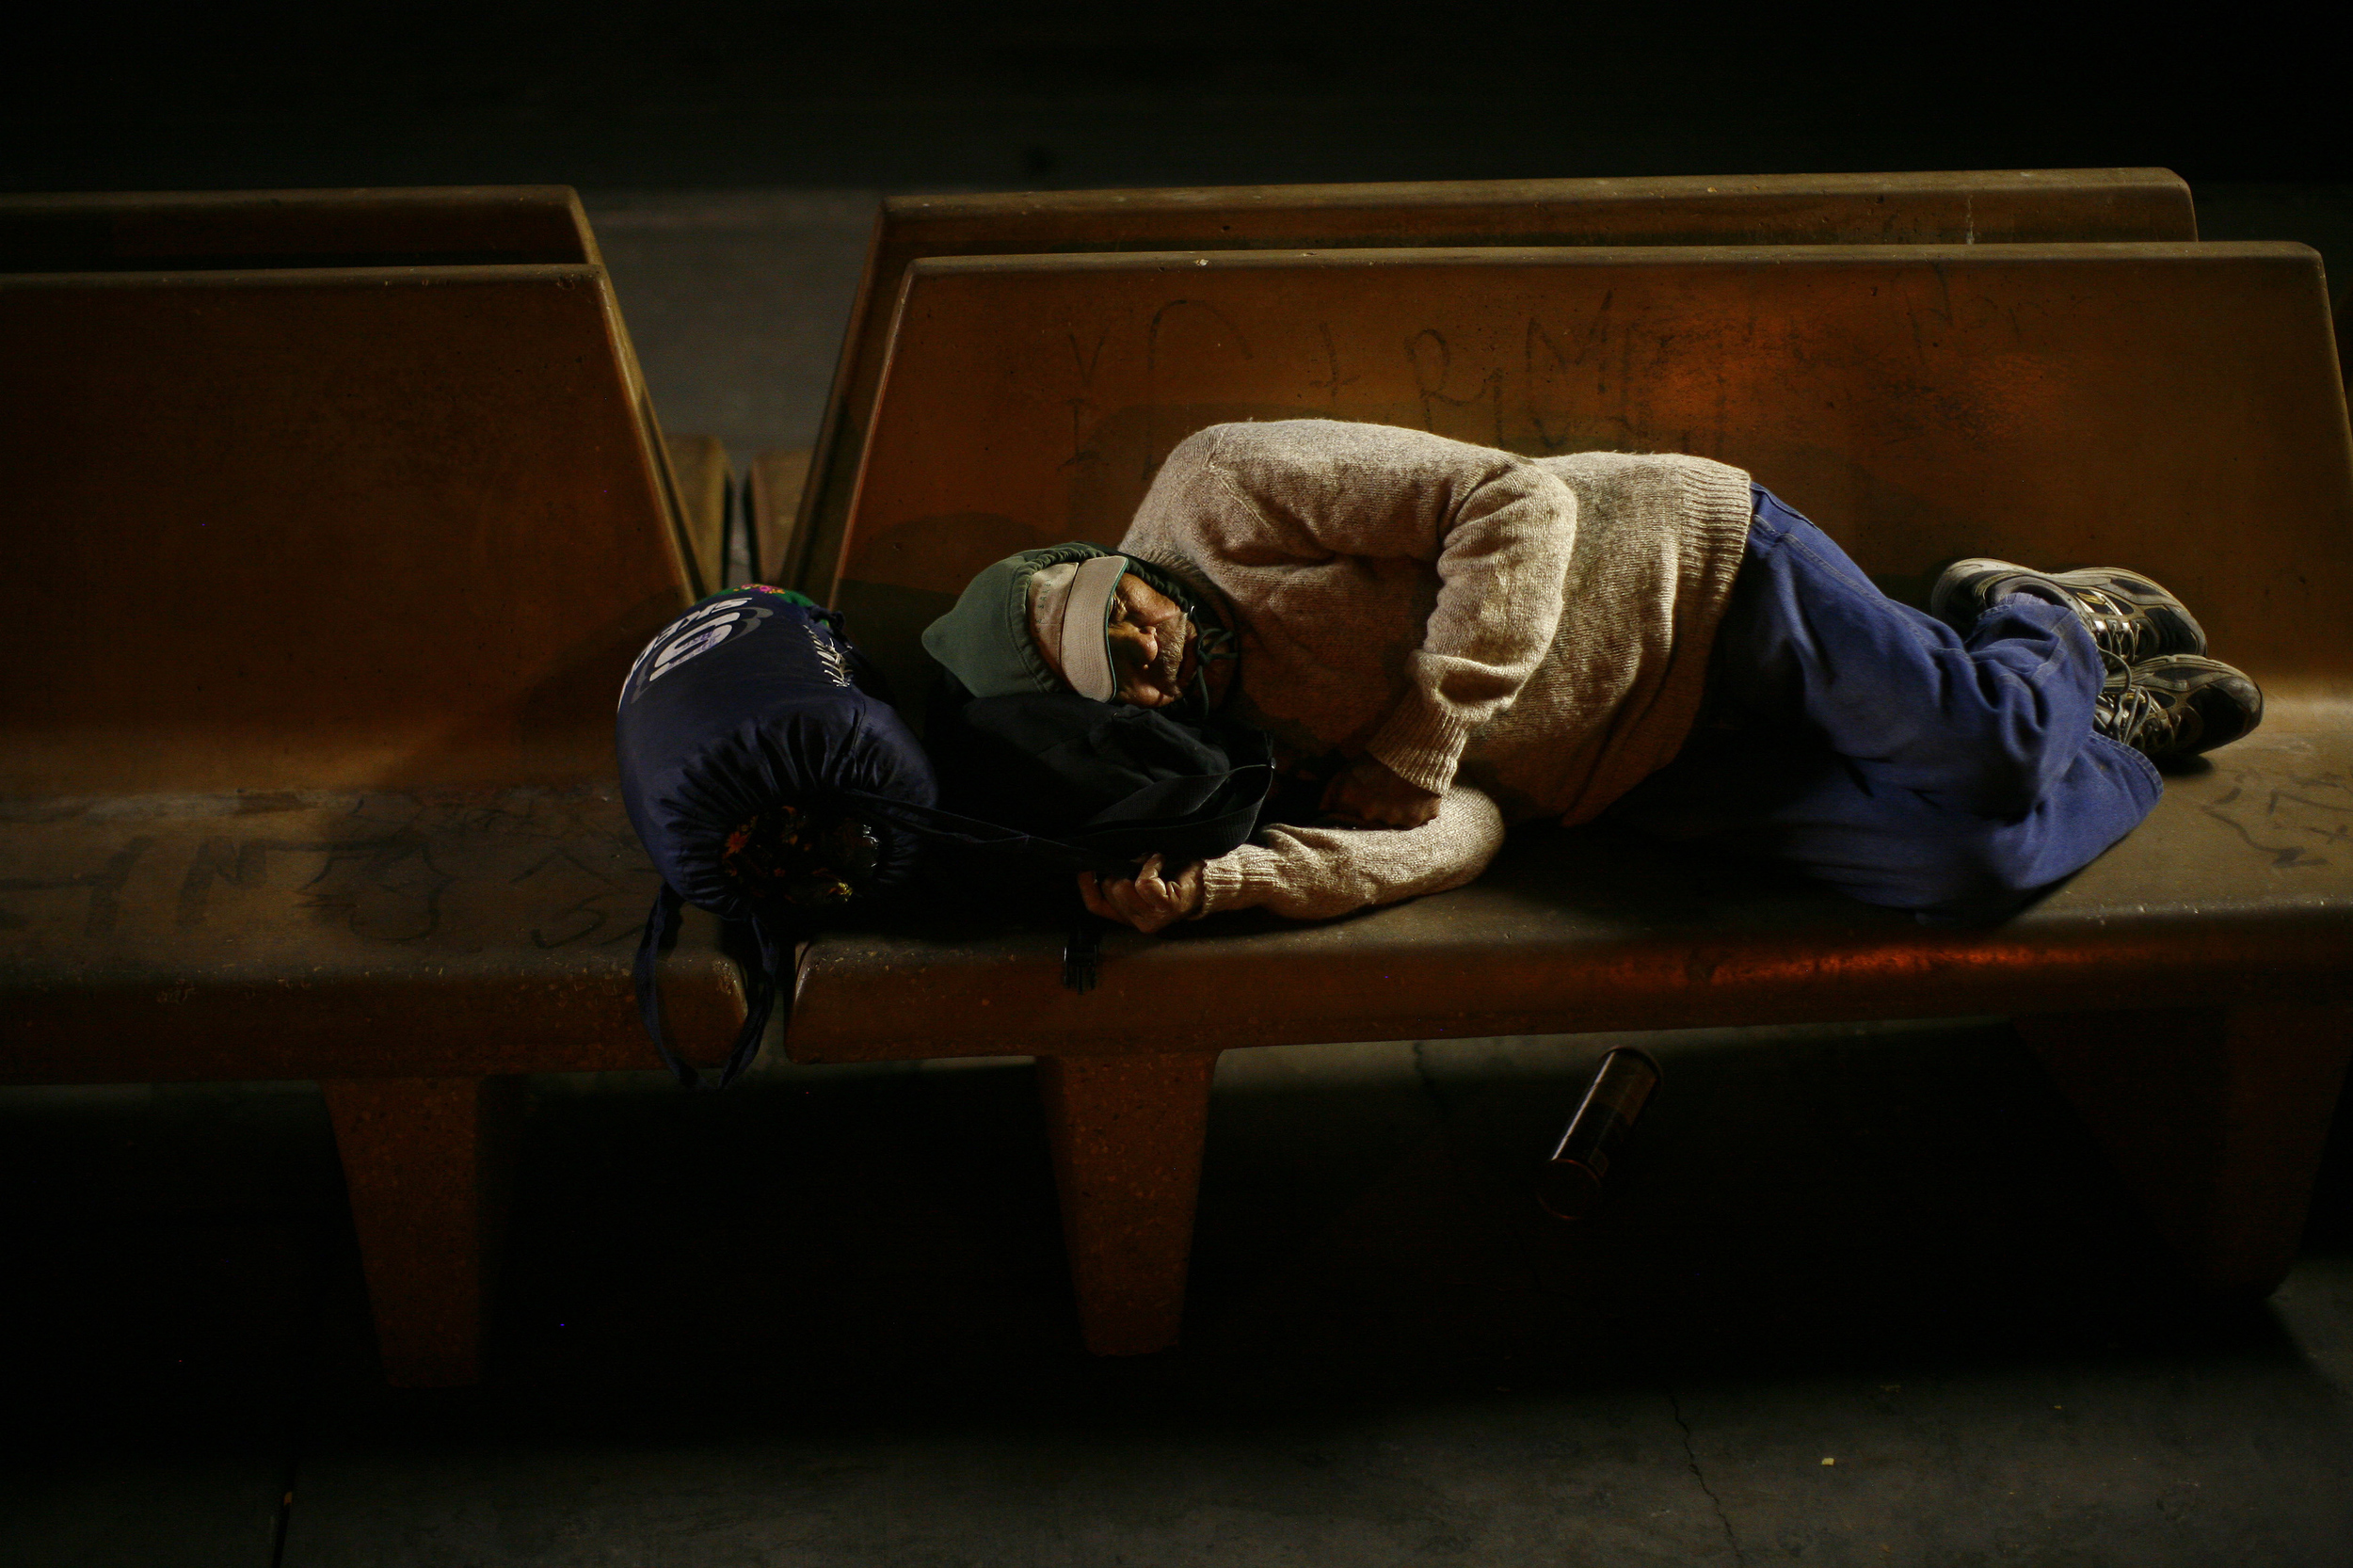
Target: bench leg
{"x": 2216, "y": 1118}
{"x": 1126, "y": 1135}
{"x": 425, "y": 1160}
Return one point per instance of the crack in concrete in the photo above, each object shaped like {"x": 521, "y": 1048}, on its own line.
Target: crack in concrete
{"x": 1429, "y": 1084}
{"x": 1692, "y": 1461}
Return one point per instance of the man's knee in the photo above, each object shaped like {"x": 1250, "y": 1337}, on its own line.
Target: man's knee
{"x": 1997, "y": 761}
{"x": 1992, "y": 861}
{"x": 1960, "y": 864}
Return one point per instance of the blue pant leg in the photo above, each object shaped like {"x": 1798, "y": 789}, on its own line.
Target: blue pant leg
{"x": 1883, "y": 753}
{"x": 1985, "y": 724}
{"x": 1902, "y": 849}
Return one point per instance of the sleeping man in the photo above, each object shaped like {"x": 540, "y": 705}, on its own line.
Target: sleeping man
{"x": 1478, "y": 639}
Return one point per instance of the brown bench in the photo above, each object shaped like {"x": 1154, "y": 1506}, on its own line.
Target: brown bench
{"x": 801, "y": 528}
{"x": 381, "y": 227}
{"x": 2172, "y": 406}
{"x": 250, "y": 230}
{"x": 317, "y": 587}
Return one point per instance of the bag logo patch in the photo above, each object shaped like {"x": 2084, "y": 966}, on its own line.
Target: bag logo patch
{"x": 695, "y": 633}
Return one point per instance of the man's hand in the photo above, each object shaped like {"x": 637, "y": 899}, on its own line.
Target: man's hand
{"x": 1365, "y": 791}
{"x": 1148, "y": 901}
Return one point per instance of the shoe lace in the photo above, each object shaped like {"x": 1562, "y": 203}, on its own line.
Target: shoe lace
{"x": 2115, "y": 626}
{"x": 2129, "y": 712}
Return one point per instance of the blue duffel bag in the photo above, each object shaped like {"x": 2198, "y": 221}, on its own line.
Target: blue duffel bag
{"x": 772, "y": 783}
{"x": 764, "y": 770}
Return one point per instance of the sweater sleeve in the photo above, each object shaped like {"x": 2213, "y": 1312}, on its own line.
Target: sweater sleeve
{"x": 1496, "y": 528}
{"x": 1315, "y": 873}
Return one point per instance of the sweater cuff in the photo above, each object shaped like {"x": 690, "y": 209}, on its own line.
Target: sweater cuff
{"x": 1224, "y": 886}
{"x": 1422, "y": 741}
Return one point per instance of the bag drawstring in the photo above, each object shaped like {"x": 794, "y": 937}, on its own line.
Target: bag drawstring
{"x": 760, "y": 1001}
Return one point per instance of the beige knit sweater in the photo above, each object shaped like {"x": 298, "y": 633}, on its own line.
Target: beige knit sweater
{"x": 1529, "y": 636}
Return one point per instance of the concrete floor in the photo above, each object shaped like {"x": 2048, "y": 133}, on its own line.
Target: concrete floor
{"x": 1857, "y": 1296}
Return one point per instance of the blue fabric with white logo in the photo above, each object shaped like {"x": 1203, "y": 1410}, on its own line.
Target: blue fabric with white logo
{"x": 760, "y": 760}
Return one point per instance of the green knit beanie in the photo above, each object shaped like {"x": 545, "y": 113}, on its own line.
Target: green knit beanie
{"x": 984, "y": 641}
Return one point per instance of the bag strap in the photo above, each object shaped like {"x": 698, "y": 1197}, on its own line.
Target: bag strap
{"x": 662, "y": 923}
{"x": 971, "y": 833}
{"x": 1083, "y": 953}
{"x": 975, "y": 835}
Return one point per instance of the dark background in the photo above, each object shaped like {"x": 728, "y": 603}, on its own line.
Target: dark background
{"x": 900, "y": 95}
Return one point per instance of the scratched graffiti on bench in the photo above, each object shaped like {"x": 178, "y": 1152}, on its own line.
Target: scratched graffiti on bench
{"x": 451, "y": 871}
{"x": 2289, "y": 817}
{"x": 1528, "y": 384}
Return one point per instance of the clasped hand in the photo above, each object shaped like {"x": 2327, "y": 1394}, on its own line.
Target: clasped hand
{"x": 1147, "y": 901}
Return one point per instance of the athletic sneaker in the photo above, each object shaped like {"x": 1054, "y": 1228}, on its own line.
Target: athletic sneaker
{"x": 2177, "y": 706}
{"x": 2130, "y": 618}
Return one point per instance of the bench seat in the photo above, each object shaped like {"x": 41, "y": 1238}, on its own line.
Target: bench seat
{"x": 334, "y": 935}
{"x": 2238, "y": 889}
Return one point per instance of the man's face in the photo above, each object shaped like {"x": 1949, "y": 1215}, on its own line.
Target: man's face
{"x": 1152, "y": 641}
{"x": 1152, "y": 644}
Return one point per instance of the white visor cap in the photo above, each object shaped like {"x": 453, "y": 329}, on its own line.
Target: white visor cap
{"x": 1070, "y": 605}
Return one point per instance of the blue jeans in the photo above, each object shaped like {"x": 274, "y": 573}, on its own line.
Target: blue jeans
{"x": 1874, "y": 747}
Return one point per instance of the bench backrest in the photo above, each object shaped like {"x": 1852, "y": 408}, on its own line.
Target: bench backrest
{"x": 375, "y": 226}
{"x": 2170, "y": 407}
{"x": 242, "y": 231}
{"x": 2011, "y": 206}
{"x": 321, "y": 528}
